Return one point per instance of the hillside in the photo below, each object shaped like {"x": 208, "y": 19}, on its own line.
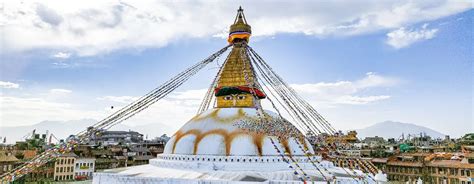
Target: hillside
{"x": 392, "y": 129}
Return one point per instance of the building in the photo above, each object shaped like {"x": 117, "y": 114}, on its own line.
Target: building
{"x": 84, "y": 168}
{"x": 436, "y": 168}
{"x": 405, "y": 167}
{"x": 157, "y": 145}
{"x": 350, "y": 137}
{"x": 374, "y": 141}
{"x": 64, "y": 167}
{"x": 44, "y": 173}
{"x": 106, "y": 138}
{"x": 7, "y": 161}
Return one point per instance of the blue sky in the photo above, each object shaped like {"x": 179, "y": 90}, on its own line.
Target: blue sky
{"x": 397, "y": 61}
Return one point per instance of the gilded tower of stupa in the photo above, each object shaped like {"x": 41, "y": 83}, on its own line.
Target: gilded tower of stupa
{"x": 236, "y": 86}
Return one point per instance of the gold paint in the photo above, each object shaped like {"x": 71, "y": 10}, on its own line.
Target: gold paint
{"x": 258, "y": 142}
{"x": 240, "y": 115}
{"x": 215, "y": 116}
{"x": 180, "y": 135}
{"x": 284, "y": 143}
{"x": 305, "y": 145}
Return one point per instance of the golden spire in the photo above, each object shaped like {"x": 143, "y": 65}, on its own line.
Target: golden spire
{"x": 236, "y": 86}
{"x": 240, "y": 30}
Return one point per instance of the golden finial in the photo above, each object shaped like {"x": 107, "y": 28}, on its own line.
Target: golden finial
{"x": 240, "y": 30}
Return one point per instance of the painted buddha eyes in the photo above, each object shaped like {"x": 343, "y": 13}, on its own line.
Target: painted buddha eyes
{"x": 231, "y": 97}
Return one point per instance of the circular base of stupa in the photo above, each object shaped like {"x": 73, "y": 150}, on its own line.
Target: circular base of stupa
{"x": 172, "y": 168}
{"x": 234, "y": 163}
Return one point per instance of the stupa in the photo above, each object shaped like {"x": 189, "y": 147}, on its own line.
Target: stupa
{"x": 236, "y": 141}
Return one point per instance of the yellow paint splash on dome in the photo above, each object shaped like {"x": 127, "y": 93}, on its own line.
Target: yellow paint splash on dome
{"x": 215, "y": 116}
{"x": 180, "y": 135}
{"x": 258, "y": 142}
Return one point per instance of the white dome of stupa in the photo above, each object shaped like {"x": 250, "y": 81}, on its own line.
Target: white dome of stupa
{"x": 228, "y": 132}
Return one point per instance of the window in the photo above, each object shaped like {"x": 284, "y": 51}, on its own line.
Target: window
{"x": 468, "y": 173}
{"x": 228, "y": 97}
{"x": 462, "y": 172}
{"x": 240, "y": 97}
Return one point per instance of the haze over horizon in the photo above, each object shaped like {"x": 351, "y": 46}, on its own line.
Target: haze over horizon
{"x": 403, "y": 61}
{"x": 62, "y": 129}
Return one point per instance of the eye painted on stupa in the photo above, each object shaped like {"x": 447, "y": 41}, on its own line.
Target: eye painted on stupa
{"x": 228, "y": 97}
{"x": 240, "y": 97}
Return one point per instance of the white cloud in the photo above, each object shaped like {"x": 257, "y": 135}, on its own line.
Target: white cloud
{"x": 59, "y": 91}
{"x": 402, "y": 37}
{"x": 8, "y": 85}
{"x": 371, "y": 79}
{"x": 119, "y": 99}
{"x": 91, "y": 27}
{"x": 178, "y": 107}
{"x": 62, "y": 55}
{"x": 325, "y": 94}
{"x": 356, "y": 100}
{"x": 18, "y": 111}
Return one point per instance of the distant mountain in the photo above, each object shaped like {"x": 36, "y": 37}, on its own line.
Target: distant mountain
{"x": 391, "y": 129}
{"x": 62, "y": 129}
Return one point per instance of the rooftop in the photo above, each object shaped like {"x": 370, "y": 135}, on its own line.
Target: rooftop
{"x": 7, "y": 158}
{"x": 450, "y": 163}
{"x": 70, "y": 154}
